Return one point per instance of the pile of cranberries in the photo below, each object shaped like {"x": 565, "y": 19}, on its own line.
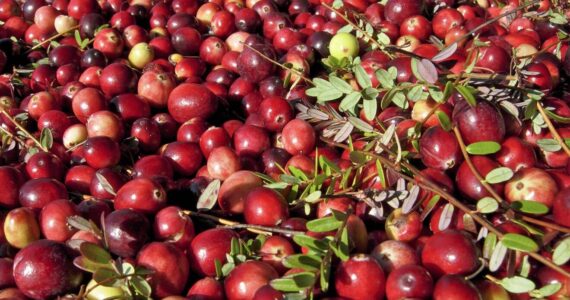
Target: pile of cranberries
{"x": 163, "y": 134}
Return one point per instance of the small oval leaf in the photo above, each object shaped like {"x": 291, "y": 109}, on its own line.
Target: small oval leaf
{"x": 483, "y": 148}
{"x": 497, "y": 257}
{"x": 530, "y": 207}
{"x": 323, "y": 224}
{"x": 499, "y": 175}
{"x": 446, "y": 53}
{"x": 561, "y": 253}
{"x": 209, "y": 197}
{"x": 428, "y": 71}
{"x": 446, "y": 217}
{"x": 517, "y": 284}
{"x": 519, "y": 242}
{"x": 487, "y": 205}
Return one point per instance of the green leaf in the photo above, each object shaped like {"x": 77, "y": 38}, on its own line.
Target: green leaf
{"x": 530, "y": 207}
{"x": 549, "y": 145}
{"x": 294, "y": 282}
{"x": 328, "y": 95}
{"x": 325, "y": 273}
{"x": 385, "y": 79}
{"x": 343, "y": 249}
{"x": 361, "y": 76}
{"x": 346, "y": 29}
{"x": 313, "y": 197}
{"x": 497, "y": 257}
{"x": 46, "y": 138}
{"x": 105, "y": 276}
{"x": 350, "y": 101}
{"x": 95, "y": 253}
{"x": 415, "y": 93}
{"x": 499, "y": 175}
{"x": 483, "y": 148}
{"x": 290, "y": 179}
{"x": 436, "y": 94}
{"x": 448, "y": 90}
{"x": 561, "y": 253}
{"x": 307, "y": 262}
{"x": 78, "y": 38}
{"x": 557, "y": 118}
{"x": 517, "y": 284}
{"x": 370, "y": 107}
{"x": 360, "y": 124}
{"x": 141, "y": 286}
{"x": 400, "y": 100}
{"x": 276, "y": 185}
{"x": 209, "y": 196}
{"x": 549, "y": 290}
{"x": 519, "y": 242}
{"x": 298, "y": 173}
{"x": 341, "y": 85}
{"x": 358, "y": 157}
{"x": 310, "y": 243}
{"x": 466, "y": 93}
{"x": 85, "y": 264}
{"x": 323, "y": 224}
{"x": 369, "y": 93}
{"x": 443, "y": 120}
{"x": 487, "y": 205}
{"x": 489, "y": 245}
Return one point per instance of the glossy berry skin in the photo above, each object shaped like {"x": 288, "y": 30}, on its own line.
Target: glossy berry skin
{"x": 264, "y": 206}
{"x": 454, "y": 287}
{"x": 396, "y": 11}
{"x": 480, "y": 123}
{"x": 450, "y": 252}
{"x": 173, "y": 226}
{"x": 439, "y": 149}
{"x": 411, "y": 281}
{"x": 469, "y": 185}
{"x": 532, "y": 184}
{"x": 516, "y": 154}
{"x": 207, "y": 287}
{"x": 186, "y": 158}
{"x": 298, "y": 137}
{"x": 11, "y": 180}
{"x": 208, "y": 246}
{"x": 276, "y": 112}
{"x": 36, "y": 193}
{"x": 101, "y": 152}
{"x": 45, "y": 269}
{"x": 142, "y": 194}
{"x": 190, "y": 100}
{"x": 126, "y": 232}
{"x": 53, "y": 220}
{"x": 394, "y": 254}
{"x": 361, "y": 277}
{"x": 561, "y": 207}
{"x": 170, "y": 266}
{"x": 250, "y": 140}
{"x": 243, "y": 282}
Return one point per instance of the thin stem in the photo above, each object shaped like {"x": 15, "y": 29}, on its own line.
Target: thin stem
{"x": 232, "y": 224}
{"x": 552, "y": 129}
{"x": 482, "y": 76}
{"x": 53, "y": 37}
{"x": 26, "y": 132}
{"x": 545, "y": 224}
{"x": 474, "y": 170}
{"x": 264, "y": 228}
